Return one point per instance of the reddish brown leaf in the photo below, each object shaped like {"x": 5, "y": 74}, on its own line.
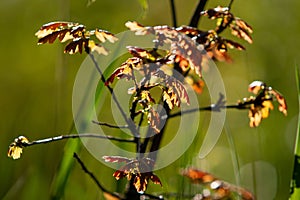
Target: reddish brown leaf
{"x": 155, "y": 179}
{"x": 102, "y": 36}
{"x": 109, "y": 196}
{"x": 154, "y": 120}
{"x": 198, "y": 176}
{"x": 256, "y": 86}
{"x": 282, "y": 107}
{"x": 233, "y": 45}
{"x": 140, "y": 183}
{"x": 77, "y": 45}
{"x": 16, "y": 148}
{"x": 116, "y": 159}
{"x": 189, "y": 31}
{"x": 57, "y": 25}
{"x": 217, "y": 12}
{"x": 175, "y": 90}
{"x": 182, "y": 62}
{"x": 217, "y": 189}
{"x": 119, "y": 174}
{"x": 125, "y": 71}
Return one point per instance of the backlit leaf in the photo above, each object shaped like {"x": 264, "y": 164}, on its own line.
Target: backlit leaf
{"x": 117, "y": 159}
{"x": 16, "y": 148}
{"x": 125, "y": 70}
{"x": 154, "y": 120}
{"x": 214, "y": 188}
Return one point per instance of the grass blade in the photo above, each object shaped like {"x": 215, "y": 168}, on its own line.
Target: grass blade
{"x": 295, "y": 182}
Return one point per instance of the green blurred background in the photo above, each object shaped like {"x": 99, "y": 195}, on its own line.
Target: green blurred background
{"x": 36, "y": 97}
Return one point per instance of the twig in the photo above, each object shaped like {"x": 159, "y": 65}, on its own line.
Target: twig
{"x": 74, "y": 136}
{"x": 212, "y": 107}
{"x": 109, "y": 125}
{"x": 130, "y": 123}
{"x": 230, "y": 4}
{"x": 94, "y": 178}
{"x": 196, "y": 16}
{"x": 173, "y": 10}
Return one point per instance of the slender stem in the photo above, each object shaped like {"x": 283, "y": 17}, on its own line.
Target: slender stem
{"x": 94, "y": 178}
{"x": 173, "y": 10}
{"x": 132, "y": 127}
{"x": 109, "y": 125}
{"x": 75, "y": 136}
{"x": 230, "y": 4}
{"x": 208, "y": 108}
{"x": 196, "y": 16}
{"x": 220, "y": 105}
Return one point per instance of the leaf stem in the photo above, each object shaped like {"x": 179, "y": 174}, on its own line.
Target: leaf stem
{"x": 109, "y": 125}
{"x": 173, "y": 10}
{"x": 94, "y": 178}
{"x": 132, "y": 127}
{"x": 196, "y": 16}
{"x": 75, "y": 136}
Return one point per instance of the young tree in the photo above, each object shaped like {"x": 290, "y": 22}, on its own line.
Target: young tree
{"x": 161, "y": 77}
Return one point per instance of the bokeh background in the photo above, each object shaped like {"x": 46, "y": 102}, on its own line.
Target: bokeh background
{"x": 36, "y": 97}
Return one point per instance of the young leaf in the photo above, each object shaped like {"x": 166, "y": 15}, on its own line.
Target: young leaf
{"x": 215, "y": 188}
{"x": 125, "y": 70}
{"x": 16, "y": 148}
{"x": 154, "y": 120}
{"x": 116, "y": 159}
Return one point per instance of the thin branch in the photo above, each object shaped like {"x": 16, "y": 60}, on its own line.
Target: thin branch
{"x": 94, "y": 178}
{"x": 75, "y": 136}
{"x": 174, "y": 18}
{"x": 212, "y": 107}
{"x": 109, "y": 125}
{"x": 230, "y": 4}
{"x": 130, "y": 123}
{"x": 196, "y": 16}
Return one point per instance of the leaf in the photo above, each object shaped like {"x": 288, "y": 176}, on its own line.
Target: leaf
{"x": 259, "y": 112}
{"x": 102, "y": 36}
{"x": 217, "y": 12}
{"x": 233, "y": 45}
{"x": 181, "y": 44}
{"x": 77, "y": 45}
{"x": 51, "y": 27}
{"x": 125, "y": 70}
{"x": 174, "y": 92}
{"x": 97, "y": 48}
{"x": 241, "y": 29}
{"x": 295, "y": 181}
{"x": 116, "y": 159}
{"x": 64, "y": 170}
{"x": 190, "y": 51}
{"x": 76, "y": 32}
{"x": 62, "y": 30}
{"x": 155, "y": 179}
{"x": 136, "y": 27}
{"x": 16, "y": 148}
{"x": 139, "y": 169}
{"x": 214, "y": 187}
{"x": 282, "y": 107}
{"x": 52, "y": 37}
{"x": 154, "y": 120}
{"x": 140, "y": 183}
{"x": 149, "y": 56}
{"x": 197, "y": 84}
{"x": 189, "y": 31}
{"x": 261, "y": 104}
{"x": 256, "y": 86}
{"x": 109, "y": 196}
